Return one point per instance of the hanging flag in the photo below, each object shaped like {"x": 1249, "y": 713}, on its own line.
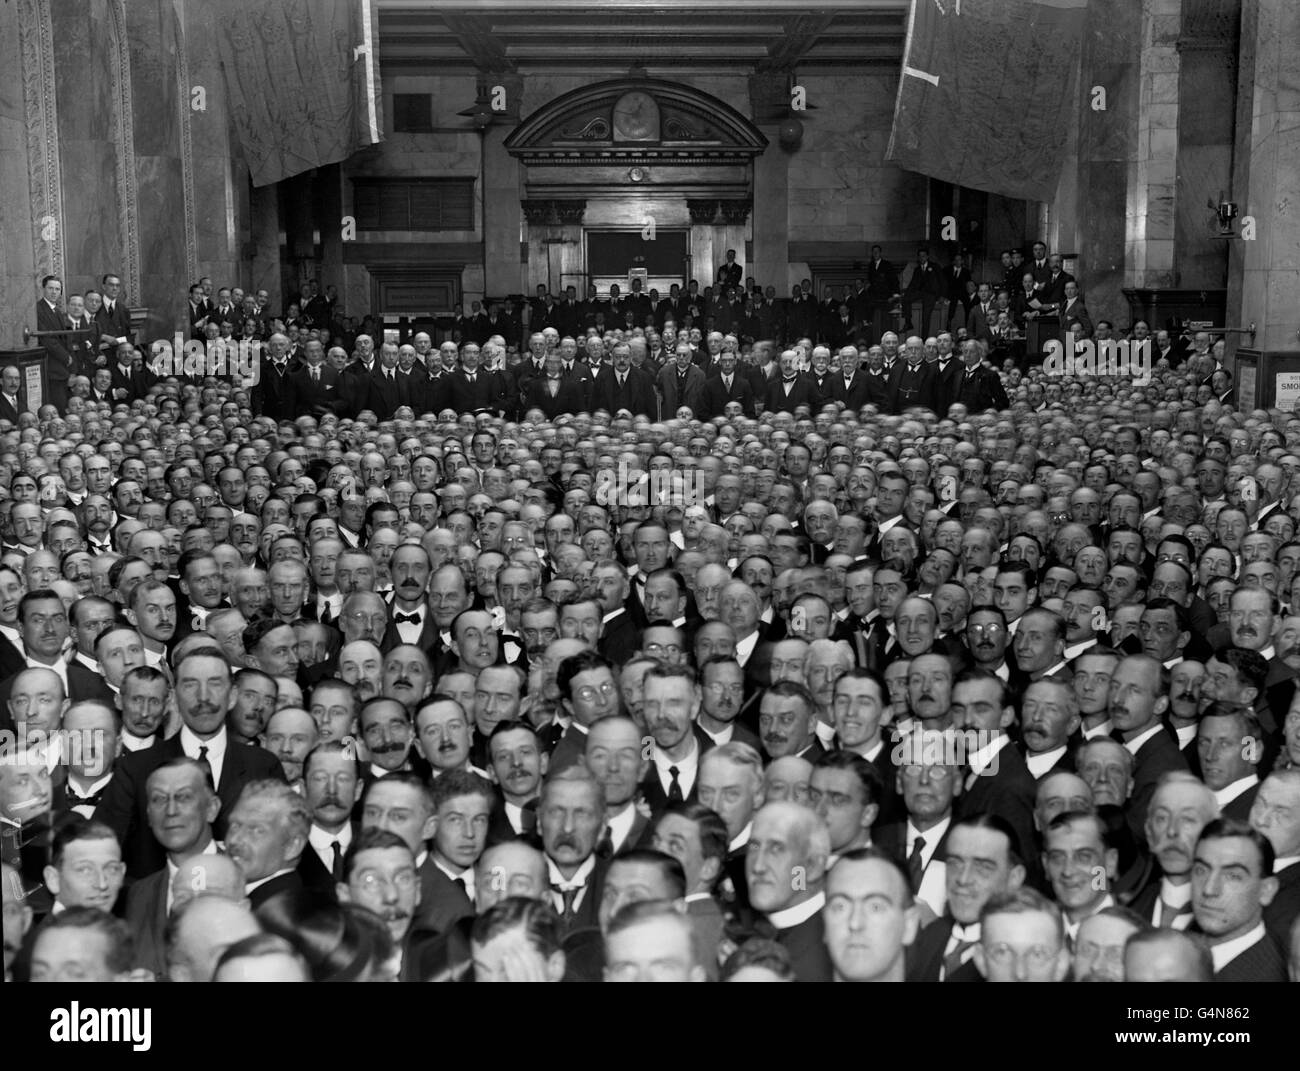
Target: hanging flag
{"x": 302, "y": 79}
{"x": 985, "y": 93}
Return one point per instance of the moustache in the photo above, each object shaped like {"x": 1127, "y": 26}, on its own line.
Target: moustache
{"x": 402, "y": 682}
{"x": 387, "y": 749}
{"x": 446, "y": 746}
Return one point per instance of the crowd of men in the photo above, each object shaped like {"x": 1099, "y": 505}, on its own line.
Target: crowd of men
{"x": 496, "y": 673}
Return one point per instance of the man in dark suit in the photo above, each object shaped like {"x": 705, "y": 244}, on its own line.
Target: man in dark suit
{"x": 462, "y": 803}
{"x": 791, "y": 389}
{"x": 180, "y": 815}
{"x": 113, "y": 320}
{"x": 976, "y": 386}
{"x": 571, "y": 814}
{"x": 127, "y": 383}
{"x": 471, "y": 388}
{"x": 913, "y": 380}
{"x": 316, "y": 385}
{"x": 553, "y": 393}
{"x": 998, "y": 781}
{"x": 981, "y": 863}
{"x": 849, "y": 385}
{"x": 982, "y": 316}
{"x": 266, "y": 835}
{"x": 622, "y": 386}
{"x": 926, "y": 286}
{"x": 273, "y": 396}
{"x": 1137, "y": 718}
{"x": 726, "y": 386}
{"x": 203, "y": 684}
{"x": 800, "y": 316}
{"x": 332, "y": 787}
{"x": 682, "y": 383}
{"x": 11, "y": 401}
{"x": 386, "y": 391}
{"x": 50, "y": 317}
{"x": 1232, "y": 883}
{"x": 788, "y": 835}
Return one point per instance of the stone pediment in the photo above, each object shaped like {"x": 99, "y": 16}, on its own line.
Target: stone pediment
{"x": 636, "y": 120}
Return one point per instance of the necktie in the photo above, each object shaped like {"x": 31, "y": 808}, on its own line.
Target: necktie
{"x": 336, "y": 866}
{"x": 1169, "y": 915}
{"x": 622, "y": 379}
{"x": 952, "y": 961}
{"x": 203, "y": 761}
{"x": 326, "y": 615}
{"x": 915, "y": 864}
{"x": 471, "y": 377}
{"x": 406, "y": 619}
{"x": 606, "y": 846}
{"x": 568, "y": 894}
{"x": 315, "y": 375}
{"x": 389, "y": 375}
{"x": 726, "y": 382}
{"x": 463, "y": 882}
{"x": 674, "y": 787}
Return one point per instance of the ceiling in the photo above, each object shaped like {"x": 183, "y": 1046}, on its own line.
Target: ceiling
{"x": 661, "y": 35}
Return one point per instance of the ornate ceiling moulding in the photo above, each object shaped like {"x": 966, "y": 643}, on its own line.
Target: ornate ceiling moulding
{"x": 542, "y": 212}
{"x": 636, "y": 121}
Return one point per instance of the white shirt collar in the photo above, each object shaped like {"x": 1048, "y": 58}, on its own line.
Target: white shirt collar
{"x": 580, "y": 878}
{"x": 1100, "y": 730}
{"x": 932, "y": 838}
{"x": 1135, "y": 745}
{"x": 465, "y": 877}
{"x": 1039, "y": 764}
{"x": 722, "y": 736}
{"x": 1230, "y": 792}
{"x": 262, "y": 881}
{"x": 216, "y": 746}
{"x": 621, "y": 825}
{"x": 741, "y": 838}
{"x": 321, "y": 839}
{"x": 131, "y": 742}
{"x": 983, "y": 758}
{"x": 1225, "y": 953}
{"x": 789, "y": 917}
{"x": 745, "y": 647}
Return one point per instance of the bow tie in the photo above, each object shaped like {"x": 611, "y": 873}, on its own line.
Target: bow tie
{"x": 406, "y": 619}
{"x": 77, "y": 801}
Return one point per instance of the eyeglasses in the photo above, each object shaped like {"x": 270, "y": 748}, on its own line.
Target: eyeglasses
{"x": 985, "y": 630}
{"x": 589, "y": 693}
{"x": 663, "y": 648}
{"x": 725, "y": 689}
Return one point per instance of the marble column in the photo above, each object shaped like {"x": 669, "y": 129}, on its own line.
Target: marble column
{"x": 1207, "y": 83}
{"x": 771, "y": 220}
{"x": 1266, "y": 271}
{"x": 1107, "y": 156}
{"x": 1152, "y": 175}
{"x": 501, "y": 214}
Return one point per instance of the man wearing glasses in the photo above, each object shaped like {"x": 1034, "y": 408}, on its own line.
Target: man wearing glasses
{"x": 1022, "y": 939}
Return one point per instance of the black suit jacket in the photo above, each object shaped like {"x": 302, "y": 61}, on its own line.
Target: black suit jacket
{"x": 979, "y": 392}
{"x": 7, "y": 411}
{"x": 568, "y": 397}
{"x": 1281, "y": 914}
{"x": 637, "y": 395}
{"x": 924, "y": 957}
{"x": 442, "y": 901}
{"x": 1261, "y": 962}
{"x": 124, "y": 807}
{"x": 56, "y": 347}
{"x": 318, "y": 398}
{"x": 1010, "y": 792}
{"x": 274, "y": 394}
{"x": 1154, "y": 759}
{"x": 115, "y": 322}
{"x": 854, "y": 396}
{"x": 803, "y": 392}
{"x": 488, "y": 391}
{"x": 146, "y": 915}
{"x": 807, "y": 948}
{"x": 911, "y": 387}
{"x": 282, "y": 895}
{"x": 717, "y": 396}
{"x": 652, "y": 789}
{"x": 384, "y": 396}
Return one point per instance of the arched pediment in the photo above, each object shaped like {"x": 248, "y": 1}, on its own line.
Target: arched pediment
{"x": 636, "y": 119}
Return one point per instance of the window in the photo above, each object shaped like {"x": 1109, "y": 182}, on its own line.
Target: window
{"x": 441, "y": 204}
